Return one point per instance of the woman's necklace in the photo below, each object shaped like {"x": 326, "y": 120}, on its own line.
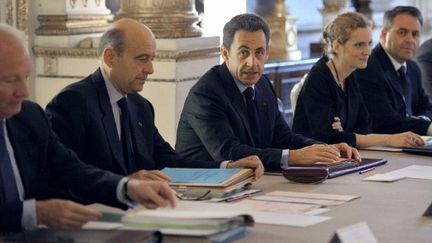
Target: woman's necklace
{"x": 338, "y": 81}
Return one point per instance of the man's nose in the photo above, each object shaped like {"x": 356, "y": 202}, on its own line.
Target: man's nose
{"x": 23, "y": 89}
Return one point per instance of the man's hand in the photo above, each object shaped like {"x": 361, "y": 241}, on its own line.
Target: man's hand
{"x": 252, "y": 162}
{"x": 406, "y": 139}
{"x": 311, "y": 154}
{"x": 63, "y": 214}
{"x": 322, "y": 153}
{"x": 150, "y": 194}
{"x": 347, "y": 151}
{"x": 153, "y": 175}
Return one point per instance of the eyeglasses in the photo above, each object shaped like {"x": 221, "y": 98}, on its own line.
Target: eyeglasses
{"x": 195, "y": 195}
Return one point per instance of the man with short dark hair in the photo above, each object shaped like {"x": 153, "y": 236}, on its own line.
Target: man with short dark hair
{"x": 391, "y": 84}
{"x": 232, "y": 111}
{"x": 31, "y": 155}
{"x": 108, "y": 124}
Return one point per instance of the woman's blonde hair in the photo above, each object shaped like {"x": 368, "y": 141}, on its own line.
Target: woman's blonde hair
{"x": 340, "y": 29}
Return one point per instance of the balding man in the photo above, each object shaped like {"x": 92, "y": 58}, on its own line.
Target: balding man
{"x": 31, "y": 155}
{"x": 91, "y": 116}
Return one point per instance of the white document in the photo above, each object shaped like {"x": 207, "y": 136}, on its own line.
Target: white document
{"x": 412, "y": 171}
{"x": 306, "y": 198}
{"x": 356, "y": 233}
{"x": 383, "y": 148}
{"x": 102, "y": 225}
{"x": 298, "y": 220}
{"x": 384, "y": 177}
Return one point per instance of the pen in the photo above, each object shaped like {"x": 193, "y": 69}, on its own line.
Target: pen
{"x": 367, "y": 170}
{"x": 232, "y": 199}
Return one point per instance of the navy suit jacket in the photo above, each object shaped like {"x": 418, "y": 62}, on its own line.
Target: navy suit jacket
{"x": 423, "y": 57}
{"x": 40, "y": 157}
{"x": 214, "y": 122}
{"x": 382, "y": 94}
{"x": 82, "y": 117}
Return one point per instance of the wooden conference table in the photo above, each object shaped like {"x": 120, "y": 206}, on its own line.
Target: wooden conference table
{"x": 393, "y": 211}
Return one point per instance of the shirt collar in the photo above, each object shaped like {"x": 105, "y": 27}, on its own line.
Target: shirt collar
{"x": 113, "y": 93}
{"x": 395, "y": 63}
{"x": 243, "y": 87}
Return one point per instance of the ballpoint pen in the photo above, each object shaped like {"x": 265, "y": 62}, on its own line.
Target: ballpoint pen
{"x": 367, "y": 170}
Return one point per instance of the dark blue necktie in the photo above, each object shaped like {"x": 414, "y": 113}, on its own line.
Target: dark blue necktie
{"x": 10, "y": 189}
{"x": 249, "y": 94}
{"x": 406, "y": 89}
{"x": 126, "y": 138}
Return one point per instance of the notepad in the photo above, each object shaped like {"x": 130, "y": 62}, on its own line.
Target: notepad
{"x": 199, "y": 176}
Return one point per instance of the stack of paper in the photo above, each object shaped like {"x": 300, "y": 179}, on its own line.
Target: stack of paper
{"x": 208, "y": 183}
{"x": 186, "y": 222}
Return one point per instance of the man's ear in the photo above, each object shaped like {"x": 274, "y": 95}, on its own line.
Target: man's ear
{"x": 108, "y": 56}
{"x": 383, "y": 35}
{"x": 224, "y": 53}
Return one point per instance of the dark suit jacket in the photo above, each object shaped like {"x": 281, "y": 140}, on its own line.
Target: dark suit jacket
{"x": 423, "y": 58}
{"x": 321, "y": 99}
{"x": 383, "y": 95}
{"x": 214, "y": 122}
{"x": 41, "y": 157}
{"x": 82, "y": 117}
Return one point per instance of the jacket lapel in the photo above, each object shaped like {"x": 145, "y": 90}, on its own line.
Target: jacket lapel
{"x": 236, "y": 98}
{"x": 26, "y": 155}
{"x": 390, "y": 72}
{"x": 108, "y": 120}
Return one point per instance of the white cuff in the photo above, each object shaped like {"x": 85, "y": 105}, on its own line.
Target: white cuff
{"x": 29, "y": 217}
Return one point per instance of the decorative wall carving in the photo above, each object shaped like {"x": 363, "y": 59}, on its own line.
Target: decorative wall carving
{"x": 16, "y": 14}
{"x": 166, "y": 18}
{"x": 22, "y": 14}
{"x": 174, "y": 56}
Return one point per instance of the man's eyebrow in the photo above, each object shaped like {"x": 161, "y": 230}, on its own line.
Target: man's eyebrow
{"x": 243, "y": 47}
{"x": 144, "y": 56}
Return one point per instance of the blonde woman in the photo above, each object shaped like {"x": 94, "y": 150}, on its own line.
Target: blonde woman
{"x": 330, "y": 107}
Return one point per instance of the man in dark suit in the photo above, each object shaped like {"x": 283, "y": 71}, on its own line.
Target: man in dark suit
{"x": 391, "y": 84}
{"x": 423, "y": 58}
{"x": 220, "y": 122}
{"x": 87, "y": 115}
{"x": 31, "y": 155}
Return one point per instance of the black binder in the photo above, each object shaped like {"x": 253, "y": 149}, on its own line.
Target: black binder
{"x": 423, "y": 150}
{"x": 85, "y": 235}
{"x": 319, "y": 173}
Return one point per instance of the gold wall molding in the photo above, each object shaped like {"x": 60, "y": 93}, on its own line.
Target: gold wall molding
{"x": 17, "y": 14}
{"x": 72, "y": 24}
{"x": 22, "y": 15}
{"x": 9, "y": 14}
{"x": 64, "y": 52}
{"x": 173, "y": 56}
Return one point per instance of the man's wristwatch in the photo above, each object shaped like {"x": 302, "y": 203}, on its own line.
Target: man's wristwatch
{"x": 125, "y": 190}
